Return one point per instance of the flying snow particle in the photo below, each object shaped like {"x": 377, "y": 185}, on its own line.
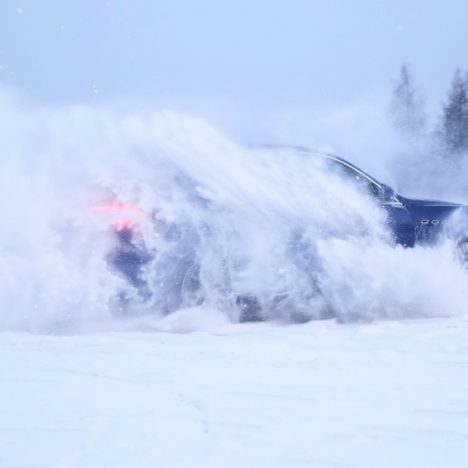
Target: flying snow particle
{"x": 400, "y": 27}
{"x": 19, "y": 11}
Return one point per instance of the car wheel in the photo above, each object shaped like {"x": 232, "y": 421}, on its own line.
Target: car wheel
{"x": 249, "y": 307}
{"x": 462, "y": 250}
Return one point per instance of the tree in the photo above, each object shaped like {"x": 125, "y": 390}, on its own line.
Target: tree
{"x": 407, "y": 107}
{"x": 454, "y": 128}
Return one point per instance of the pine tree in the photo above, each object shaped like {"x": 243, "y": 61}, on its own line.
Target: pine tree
{"x": 454, "y": 129}
{"x": 407, "y": 107}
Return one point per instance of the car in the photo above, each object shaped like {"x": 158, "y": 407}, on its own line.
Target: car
{"x": 410, "y": 221}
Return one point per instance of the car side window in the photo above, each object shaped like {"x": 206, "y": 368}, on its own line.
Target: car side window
{"x": 362, "y": 183}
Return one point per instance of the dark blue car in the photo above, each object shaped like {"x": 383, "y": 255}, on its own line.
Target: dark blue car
{"x": 411, "y": 222}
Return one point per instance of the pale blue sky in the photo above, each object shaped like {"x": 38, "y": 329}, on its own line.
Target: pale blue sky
{"x": 267, "y": 56}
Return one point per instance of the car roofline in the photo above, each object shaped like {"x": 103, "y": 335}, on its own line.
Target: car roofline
{"x": 323, "y": 154}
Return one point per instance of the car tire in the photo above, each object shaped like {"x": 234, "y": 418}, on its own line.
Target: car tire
{"x": 462, "y": 251}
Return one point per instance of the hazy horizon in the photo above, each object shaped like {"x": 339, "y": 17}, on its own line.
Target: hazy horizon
{"x": 258, "y": 58}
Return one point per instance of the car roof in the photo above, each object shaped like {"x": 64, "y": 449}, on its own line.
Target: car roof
{"x": 319, "y": 154}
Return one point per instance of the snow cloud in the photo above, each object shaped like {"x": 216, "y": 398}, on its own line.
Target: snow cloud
{"x": 226, "y": 225}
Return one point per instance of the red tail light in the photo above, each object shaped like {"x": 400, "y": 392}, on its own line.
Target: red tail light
{"x": 118, "y": 215}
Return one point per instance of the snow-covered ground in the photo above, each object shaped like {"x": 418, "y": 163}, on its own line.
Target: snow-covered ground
{"x": 388, "y": 394}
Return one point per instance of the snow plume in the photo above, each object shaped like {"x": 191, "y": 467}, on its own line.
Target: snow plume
{"x": 228, "y": 228}
{"x": 415, "y": 164}
{"x": 421, "y": 169}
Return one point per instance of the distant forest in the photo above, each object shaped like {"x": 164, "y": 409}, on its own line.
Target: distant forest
{"x": 449, "y": 138}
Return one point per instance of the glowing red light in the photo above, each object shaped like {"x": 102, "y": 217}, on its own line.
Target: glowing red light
{"x": 119, "y": 215}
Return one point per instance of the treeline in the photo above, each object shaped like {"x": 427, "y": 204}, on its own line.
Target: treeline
{"x": 450, "y": 135}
